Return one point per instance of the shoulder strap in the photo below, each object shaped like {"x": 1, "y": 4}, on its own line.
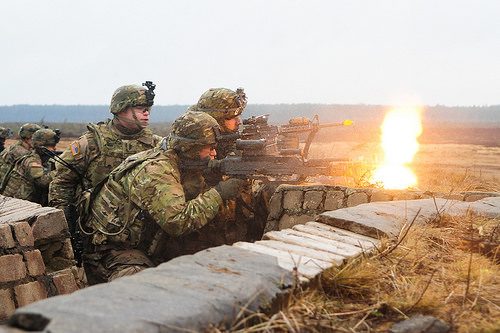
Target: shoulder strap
{"x": 94, "y": 129}
{"x": 133, "y": 161}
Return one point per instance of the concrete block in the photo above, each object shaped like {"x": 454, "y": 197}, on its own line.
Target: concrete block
{"x": 355, "y": 241}
{"x": 380, "y": 196}
{"x": 454, "y": 196}
{"x": 292, "y": 201}
{"x": 12, "y": 267}
{"x": 34, "y": 262}
{"x": 30, "y": 292}
{"x": 275, "y": 207}
{"x": 314, "y": 242}
{"x": 288, "y": 221}
{"x": 304, "y": 265}
{"x": 7, "y": 305}
{"x": 303, "y": 250}
{"x": 357, "y": 198}
{"x": 334, "y": 200}
{"x": 65, "y": 282}
{"x": 470, "y": 197}
{"x": 67, "y": 249}
{"x": 404, "y": 195}
{"x": 49, "y": 225}
{"x": 23, "y": 233}
{"x": 388, "y": 218}
{"x": 6, "y": 238}
{"x": 313, "y": 200}
{"x": 187, "y": 293}
{"x": 329, "y": 228}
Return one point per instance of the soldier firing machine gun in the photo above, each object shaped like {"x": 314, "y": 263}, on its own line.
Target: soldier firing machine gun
{"x": 269, "y": 151}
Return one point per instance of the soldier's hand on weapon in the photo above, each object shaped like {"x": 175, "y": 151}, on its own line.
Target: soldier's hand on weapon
{"x": 231, "y": 188}
{"x": 214, "y": 165}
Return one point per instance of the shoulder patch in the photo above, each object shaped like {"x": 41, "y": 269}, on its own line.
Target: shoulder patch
{"x": 75, "y": 148}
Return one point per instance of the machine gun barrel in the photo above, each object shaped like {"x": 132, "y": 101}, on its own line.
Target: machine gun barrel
{"x": 267, "y": 166}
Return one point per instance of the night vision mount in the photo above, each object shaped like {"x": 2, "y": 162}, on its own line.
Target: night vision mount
{"x": 150, "y": 94}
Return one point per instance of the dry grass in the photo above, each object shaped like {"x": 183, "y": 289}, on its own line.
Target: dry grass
{"x": 446, "y": 168}
{"x": 448, "y": 269}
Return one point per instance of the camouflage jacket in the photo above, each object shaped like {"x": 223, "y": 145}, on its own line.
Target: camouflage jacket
{"x": 27, "y": 180}
{"x": 94, "y": 155}
{"x": 10, "y": 155}
{"x": 150, "y": 186}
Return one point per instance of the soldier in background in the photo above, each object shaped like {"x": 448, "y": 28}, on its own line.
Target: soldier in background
{"x": 22, "y": 147}
{"x": 90, "y": 159}
{"x": 4, "y": 134}
{"x": 28, "y": 180}
{"x": 226, "y": 107}
{"x": 243, "y": 219}
{"x": 146, "y": 194}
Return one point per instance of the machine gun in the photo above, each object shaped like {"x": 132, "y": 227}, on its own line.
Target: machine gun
{"x": 284, "y": 139}
{"x": 255, "y": 163}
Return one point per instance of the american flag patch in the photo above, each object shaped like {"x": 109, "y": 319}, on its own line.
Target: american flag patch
{"x": 75, "y": 148}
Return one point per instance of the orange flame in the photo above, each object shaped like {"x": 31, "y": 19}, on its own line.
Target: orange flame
{"x": 400, "y": 130}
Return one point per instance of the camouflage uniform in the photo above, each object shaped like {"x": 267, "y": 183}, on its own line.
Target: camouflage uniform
{"x": 27, "y": 179}
{"x": 241, "y": 219}
{"x": 103, "y": 147}
{"x": 4, "y": 134}
{"x": 148, "y": 193}
{"x": 222, "y": 104}
{"x": 12, "y": 153}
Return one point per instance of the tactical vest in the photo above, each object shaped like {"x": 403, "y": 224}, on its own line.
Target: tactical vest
{"x": 113, "y": 149}
{"x": 114, "y": 217}
{"x": 16, "y": 184}
{"x": 9, "y": 156}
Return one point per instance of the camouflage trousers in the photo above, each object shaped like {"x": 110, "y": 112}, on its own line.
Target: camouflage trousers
{"x": 108, "y": 265}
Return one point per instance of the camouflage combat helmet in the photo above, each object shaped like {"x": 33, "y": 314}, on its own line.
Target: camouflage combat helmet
{"x": 221, "y": 103}
{"x": 45, "y": 137}
{"x": 27, "y": 130}
{"x": 192, "y": 131}
{"x": 131, "y": 95}
{"x": 5, "y": 133}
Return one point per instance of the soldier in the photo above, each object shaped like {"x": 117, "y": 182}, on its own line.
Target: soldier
{"x": 28, "y": 179}
{"x": 245, "y": 219}
{"x": 226, "y": 107}
{"x": 148, "y": 193}
{"x": 22, "y": 147}
{"x": 104, "y": 146}
{"x": 4, "y": 134}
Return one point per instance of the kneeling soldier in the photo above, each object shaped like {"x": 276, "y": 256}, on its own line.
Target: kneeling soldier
{"x": 155, "y": 191}
{"x": 27, "y": 179}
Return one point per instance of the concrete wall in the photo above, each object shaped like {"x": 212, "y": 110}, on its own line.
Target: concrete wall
{"x": 36, "y": 257}
{"x": 297, "y": 204}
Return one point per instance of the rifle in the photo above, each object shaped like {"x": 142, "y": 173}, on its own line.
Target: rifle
{"x": 284, "y": 139}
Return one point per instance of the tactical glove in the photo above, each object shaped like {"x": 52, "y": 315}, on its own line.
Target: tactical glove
{"x": 214, "y": 165}
{"x": 230, "y": 189}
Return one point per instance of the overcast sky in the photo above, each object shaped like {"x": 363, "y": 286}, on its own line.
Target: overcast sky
{"x": 280, "y": 51}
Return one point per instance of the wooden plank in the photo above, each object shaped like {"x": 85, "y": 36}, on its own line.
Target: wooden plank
{"x": 306, "y": 266}
{"x": 364, "y": 245}
{"x": 343, "y": 232}
{"x": 326, "y": 245}
{"x": 304, "y": 251}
